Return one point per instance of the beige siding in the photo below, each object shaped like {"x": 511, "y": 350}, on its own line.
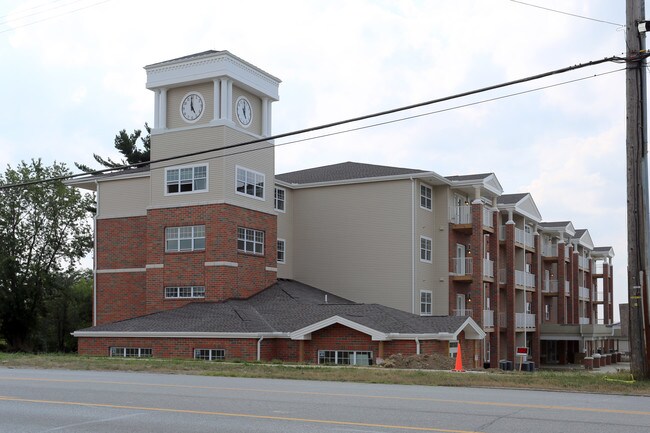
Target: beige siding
{"x": 123, "y": 198}
{"x": 440, "y": 276}
{"x": 258, "y": 157}
{"x": 285, "y": 231}
{"x": 356, "y": 241}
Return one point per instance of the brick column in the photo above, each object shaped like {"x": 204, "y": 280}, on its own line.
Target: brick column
{"x": 510, "y": 342}
{"x": 536, "y": 302}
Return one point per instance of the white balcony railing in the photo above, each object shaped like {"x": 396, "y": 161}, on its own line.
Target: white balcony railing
{"x": 461, "y": 266}
{"x": 487, "y": 217}
{"x": 583, "y": 293}
{"x": 524, "y": 238}
{"x": 584, "y": 320}
{"x": 567, "y": 288}
{"x": 549, "y": 250}
{"x": 550, "y": 286}
{"x": 525, "y": 278}
{"x": 525, "y": 320}
{"x": 460, "y": 214}
{"x": 488, "y": 268}
{"x": 583, "y": 262}
{"x": 488, "y": 319}
{"x": 463, "y": 312}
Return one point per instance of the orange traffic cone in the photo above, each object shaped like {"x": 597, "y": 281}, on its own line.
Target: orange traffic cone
{"x": 459, "y": 361}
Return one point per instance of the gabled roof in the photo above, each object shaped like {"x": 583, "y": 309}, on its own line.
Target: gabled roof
{"x": 487, "y": 182}
{"x": 521, "y": 204}
{"x": 603, "y": 252}
{"x": 353, "y": 172}
{"x": 563, "y": 227}
{"x": 287, "y": 309}
{"x": 583, "y": 238}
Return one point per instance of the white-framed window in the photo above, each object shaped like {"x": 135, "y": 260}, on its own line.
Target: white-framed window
{"x": 425, "y": 249}
{"x": 185, "y": 292}
{"x": 130, "y": 352}
{"x": 250, "y": 183}
{"x": 281, "y": 251}
{"x": 250, "y": 240}
{"x": 188, "y": 238}
{"x": 426, "y": 302}
{"x": 344, "y": 357}
{"x": 453, "y": 348}
{"x": 191, "y": 178}
{"x": 210, "y": 354}
{"x": 280, "y": 199}
{"x": 425, "y": 196}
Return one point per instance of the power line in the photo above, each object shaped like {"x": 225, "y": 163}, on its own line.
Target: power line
{"x": 53, "y": 16}
{"x": 568, "y": 13}
{"x": 337, "y": 123}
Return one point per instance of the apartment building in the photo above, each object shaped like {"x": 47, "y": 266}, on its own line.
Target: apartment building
{"x": 208, "y": 253}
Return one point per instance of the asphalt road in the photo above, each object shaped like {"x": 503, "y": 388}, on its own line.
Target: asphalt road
{"x": 87, "y": 401}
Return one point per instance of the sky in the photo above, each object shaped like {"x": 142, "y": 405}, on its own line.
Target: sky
{"x": 72, "y": 76}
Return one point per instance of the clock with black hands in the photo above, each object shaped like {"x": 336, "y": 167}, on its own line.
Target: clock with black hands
{"x": 192, "y": 107}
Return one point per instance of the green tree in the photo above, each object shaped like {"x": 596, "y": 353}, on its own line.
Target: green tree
{"x": 127, "y": 144}
{"x": 44, "y": 231}
{"x": 67, "y": 308}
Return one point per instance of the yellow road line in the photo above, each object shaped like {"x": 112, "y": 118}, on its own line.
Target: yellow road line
{"x": 325, "y": 394}
{"x": 236, "y": 415}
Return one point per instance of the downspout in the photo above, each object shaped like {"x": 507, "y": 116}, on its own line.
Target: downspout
{"x": 413, "y": 299}
{"x": 259, "y": 348}
{"x": 95, "y": 254}
{"x": 417, "y": 346}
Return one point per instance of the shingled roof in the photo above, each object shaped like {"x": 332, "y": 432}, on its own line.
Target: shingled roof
{"x": 282, "y": 309}
{"x": 343, "y": 171}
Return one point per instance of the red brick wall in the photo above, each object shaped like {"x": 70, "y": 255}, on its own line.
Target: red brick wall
{"x": 121, "y": 243}
{"x": 119, "y": 296}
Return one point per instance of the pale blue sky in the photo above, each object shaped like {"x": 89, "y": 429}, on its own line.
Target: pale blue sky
{"x": 72, "y": 76}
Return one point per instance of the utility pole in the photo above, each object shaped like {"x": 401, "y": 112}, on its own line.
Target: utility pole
{"x": 637, "y": 189}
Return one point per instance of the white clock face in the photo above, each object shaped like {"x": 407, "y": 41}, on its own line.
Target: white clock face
{"x": 192, "y": 107}
{"x": 244, "y": 111}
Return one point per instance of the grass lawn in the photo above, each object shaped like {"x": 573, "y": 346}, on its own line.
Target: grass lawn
{"x": 572, "y": 381}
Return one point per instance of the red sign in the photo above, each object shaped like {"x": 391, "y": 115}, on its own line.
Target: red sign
{"x": 522, "y": 351}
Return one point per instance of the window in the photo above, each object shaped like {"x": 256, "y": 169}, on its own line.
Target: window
{"x": 189, "y": 238}
{"x": 344, "y": 357}
{"x": 210, "y": 354}
{"x": 250, "y": 241}
{"x": 281, "y": 251}
{"x": 250, "y": 183}
{"x": 425, "y": 302}
{"x": 279, "y": 199}
{"x": 453, "y": 348}
{"x": 130, "y": 352}
{"x": 547, "y": 312}
{"x": 425, "y": 197}
{"x": 185, "y": 292}
{"x": 425, "y": 249}
{"x": 186, "y": 179}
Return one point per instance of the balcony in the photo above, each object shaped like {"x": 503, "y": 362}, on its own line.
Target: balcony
{"x": 503, "y": 320}
{"x": 502, "y": 276}
{"x": 525, "y": 279}
{"x": 549, "y": 250}
{"x": 584, "y": 321}
{"x": 462, "y": 267}
{"x": 488, "y": 268}
{"x": 567, "y": 288}
{"x": 488, "y": 319}
{"x": 525, "y": 320}
{"x": 524, "y": 238}
{"x": 460, "y": 214}
{"x": 487, "y": 217}
{"x": 464, "y": 312}
{"x": 583, "y": 293}
{"x": 583, "y": 263}
{"x": 551, "y": 286}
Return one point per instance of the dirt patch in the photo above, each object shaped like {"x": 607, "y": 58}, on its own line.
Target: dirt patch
{"x": 426, "y": 362}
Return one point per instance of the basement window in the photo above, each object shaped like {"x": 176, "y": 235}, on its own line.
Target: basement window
{"x": 130, "y": 352}
{"x": 344, "y": 357}
{"x": 210, "y": 354}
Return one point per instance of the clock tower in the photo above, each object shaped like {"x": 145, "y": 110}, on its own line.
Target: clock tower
{"x": 211, "y": 224}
